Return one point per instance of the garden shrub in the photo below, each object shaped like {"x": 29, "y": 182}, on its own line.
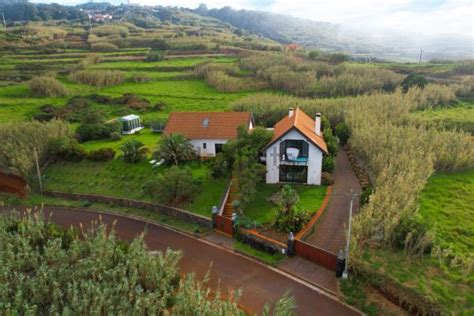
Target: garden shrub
{"x": 289, "y": 218}
{"x": 98, "y": 78}
{"x": 174, "y": 149}
{"x": 102, "y": 154}
{"x": 133, "y": 151}
{"x": 175, "y": 186}
{"x": 328, "y": 163}
{"x": 103, "y": 47}
{"x": 45, "y": 86}
{"x": 96, "y": 131}
{"x": 91, "y": 59}
{"x": 68, "y": 149}
{"x": 342, "y": 132}
{"x": 327, "y": 178}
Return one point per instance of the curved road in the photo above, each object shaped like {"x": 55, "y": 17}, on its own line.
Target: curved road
{"x": 260, "y": 283}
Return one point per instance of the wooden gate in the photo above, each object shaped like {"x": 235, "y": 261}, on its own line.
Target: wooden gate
{"x": 224, "y": 224}
{"x": 316, "y": 255}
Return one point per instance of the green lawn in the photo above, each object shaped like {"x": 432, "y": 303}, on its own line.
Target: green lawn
{"x": 447, "y": 206}
{"x": 459, "y": 116}
{"x": 262, "y": 211}
{"x": 117, "y": 178}
{"x": 146, "y": 136}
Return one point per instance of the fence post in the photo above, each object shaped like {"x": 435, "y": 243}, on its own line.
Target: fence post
{"x": 234, "y": 216}
{"x": 291, "y": 244}
{"x": 214, "y": 214}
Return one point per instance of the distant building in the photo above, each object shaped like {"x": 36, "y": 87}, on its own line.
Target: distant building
{"x": 130, "y": 124}
{"x": 208, "y": 131}
{"x": 295, "y": 153}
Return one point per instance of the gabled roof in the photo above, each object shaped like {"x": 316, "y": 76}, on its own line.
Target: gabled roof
{"x": 301, "y": 122}
{"x": 207, "y": 125}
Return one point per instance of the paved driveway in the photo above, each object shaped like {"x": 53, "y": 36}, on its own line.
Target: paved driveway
{"x": 260, "y": 283}
{"x": 330, "y": 231}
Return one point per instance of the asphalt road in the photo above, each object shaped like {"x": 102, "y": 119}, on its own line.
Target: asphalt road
{"x": 260, "y": 284}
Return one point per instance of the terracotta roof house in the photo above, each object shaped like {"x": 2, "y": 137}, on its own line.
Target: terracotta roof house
{"x": 208, "y": 131}
{"x": 295, "y": 153}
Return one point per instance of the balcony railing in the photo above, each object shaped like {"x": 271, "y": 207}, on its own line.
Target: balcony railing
{"x": 297, "y": 161}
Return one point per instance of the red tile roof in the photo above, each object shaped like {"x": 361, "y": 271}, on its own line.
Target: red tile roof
{"x": 301, "y": 122}
{"x": 207, "y": 125}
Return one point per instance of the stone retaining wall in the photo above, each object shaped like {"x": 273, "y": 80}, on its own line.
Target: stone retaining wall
{"x": 258, "y": 242}
{"x": 163, "y": 209}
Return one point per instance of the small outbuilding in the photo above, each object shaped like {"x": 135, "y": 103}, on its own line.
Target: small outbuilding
{"x": 130, "y": 124}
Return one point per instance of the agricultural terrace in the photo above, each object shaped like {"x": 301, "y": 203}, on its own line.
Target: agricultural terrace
{"x": 429, "y": 251}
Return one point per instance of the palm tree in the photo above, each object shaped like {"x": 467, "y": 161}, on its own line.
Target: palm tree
{"x": 174, "y": 148}
{"x": 133, "y": 151}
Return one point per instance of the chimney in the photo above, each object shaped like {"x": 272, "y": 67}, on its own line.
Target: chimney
{"x": 291, "y": 111}
{"x": 317, "y": 124}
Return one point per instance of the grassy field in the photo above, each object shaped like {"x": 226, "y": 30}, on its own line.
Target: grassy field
{"x": 117, "y": 178}
{"x": 447, "y": 206}
{"x": 146, "y": 136}
{"x": 460, "y": 116}
{"x": 263, "y": 211}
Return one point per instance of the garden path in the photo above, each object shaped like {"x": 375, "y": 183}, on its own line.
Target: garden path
{"x": 330, "y": 230}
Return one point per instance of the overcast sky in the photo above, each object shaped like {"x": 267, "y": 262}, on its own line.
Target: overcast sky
{"x": 429, "y": 17}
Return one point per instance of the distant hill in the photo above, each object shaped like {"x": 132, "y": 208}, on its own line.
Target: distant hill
{"x": 334, "y": 38}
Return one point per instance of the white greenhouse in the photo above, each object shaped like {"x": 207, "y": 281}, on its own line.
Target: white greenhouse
{"x": 130, "y": 124}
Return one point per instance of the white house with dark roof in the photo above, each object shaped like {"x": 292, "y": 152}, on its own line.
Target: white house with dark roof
{"x": 295, "y": 153}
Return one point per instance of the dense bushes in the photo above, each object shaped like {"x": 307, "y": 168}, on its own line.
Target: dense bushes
{"x": 289, "y": 218}
{"x": 133, "y": 151}
{"x": 101, "y": 154}
{"x": 103, "y": 47}
{"x": 98, "y": 78}
{"x": 45, "y": 86}
{"x": 176, "y": 186}
{"x": 94, "y": 131}
{"x": 19, "y": 139}
{"x": 432, "y": 96}
{"x": 48, "y": 270}
{"x": 68, "y": 149}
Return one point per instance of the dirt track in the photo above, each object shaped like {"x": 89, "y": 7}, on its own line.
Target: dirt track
{"x": 260, "y": 284}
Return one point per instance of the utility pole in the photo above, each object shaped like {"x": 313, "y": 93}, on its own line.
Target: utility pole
{"x": 421, "y": 56}
{"x": 351, "y": 204}
{"x": 4, "y": 23}
{"x": 90, "y": 22}
{"x": 38, "y": 171}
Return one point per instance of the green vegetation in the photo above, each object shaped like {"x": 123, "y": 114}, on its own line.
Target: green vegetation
{"x": 447, "y": 207}
{"x": 354, "y": 293}
{"x": 120, "y": 179}
{"x": 259, "y": 255}
{"x": 263, "y": 211}
{"x": 459, "y": 116}
{"x": 33, "y": 250}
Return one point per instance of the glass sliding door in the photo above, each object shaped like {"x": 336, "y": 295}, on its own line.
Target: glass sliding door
{"x": 296, "y": 174}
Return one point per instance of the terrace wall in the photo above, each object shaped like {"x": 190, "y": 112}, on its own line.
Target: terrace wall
{"x": 159, "y": 208}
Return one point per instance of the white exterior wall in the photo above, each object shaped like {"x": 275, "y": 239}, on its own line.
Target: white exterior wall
{"x": 210, "y": 150}
{"x": 315, "y": 159}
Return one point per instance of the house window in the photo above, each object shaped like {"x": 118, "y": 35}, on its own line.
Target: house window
{"x": 204, "y": 145}
{"x": 294, "y": 150}
{"x": 219, "y": 148}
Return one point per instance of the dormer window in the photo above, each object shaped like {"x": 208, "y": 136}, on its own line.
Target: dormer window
{"x": 205, "y": 122}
